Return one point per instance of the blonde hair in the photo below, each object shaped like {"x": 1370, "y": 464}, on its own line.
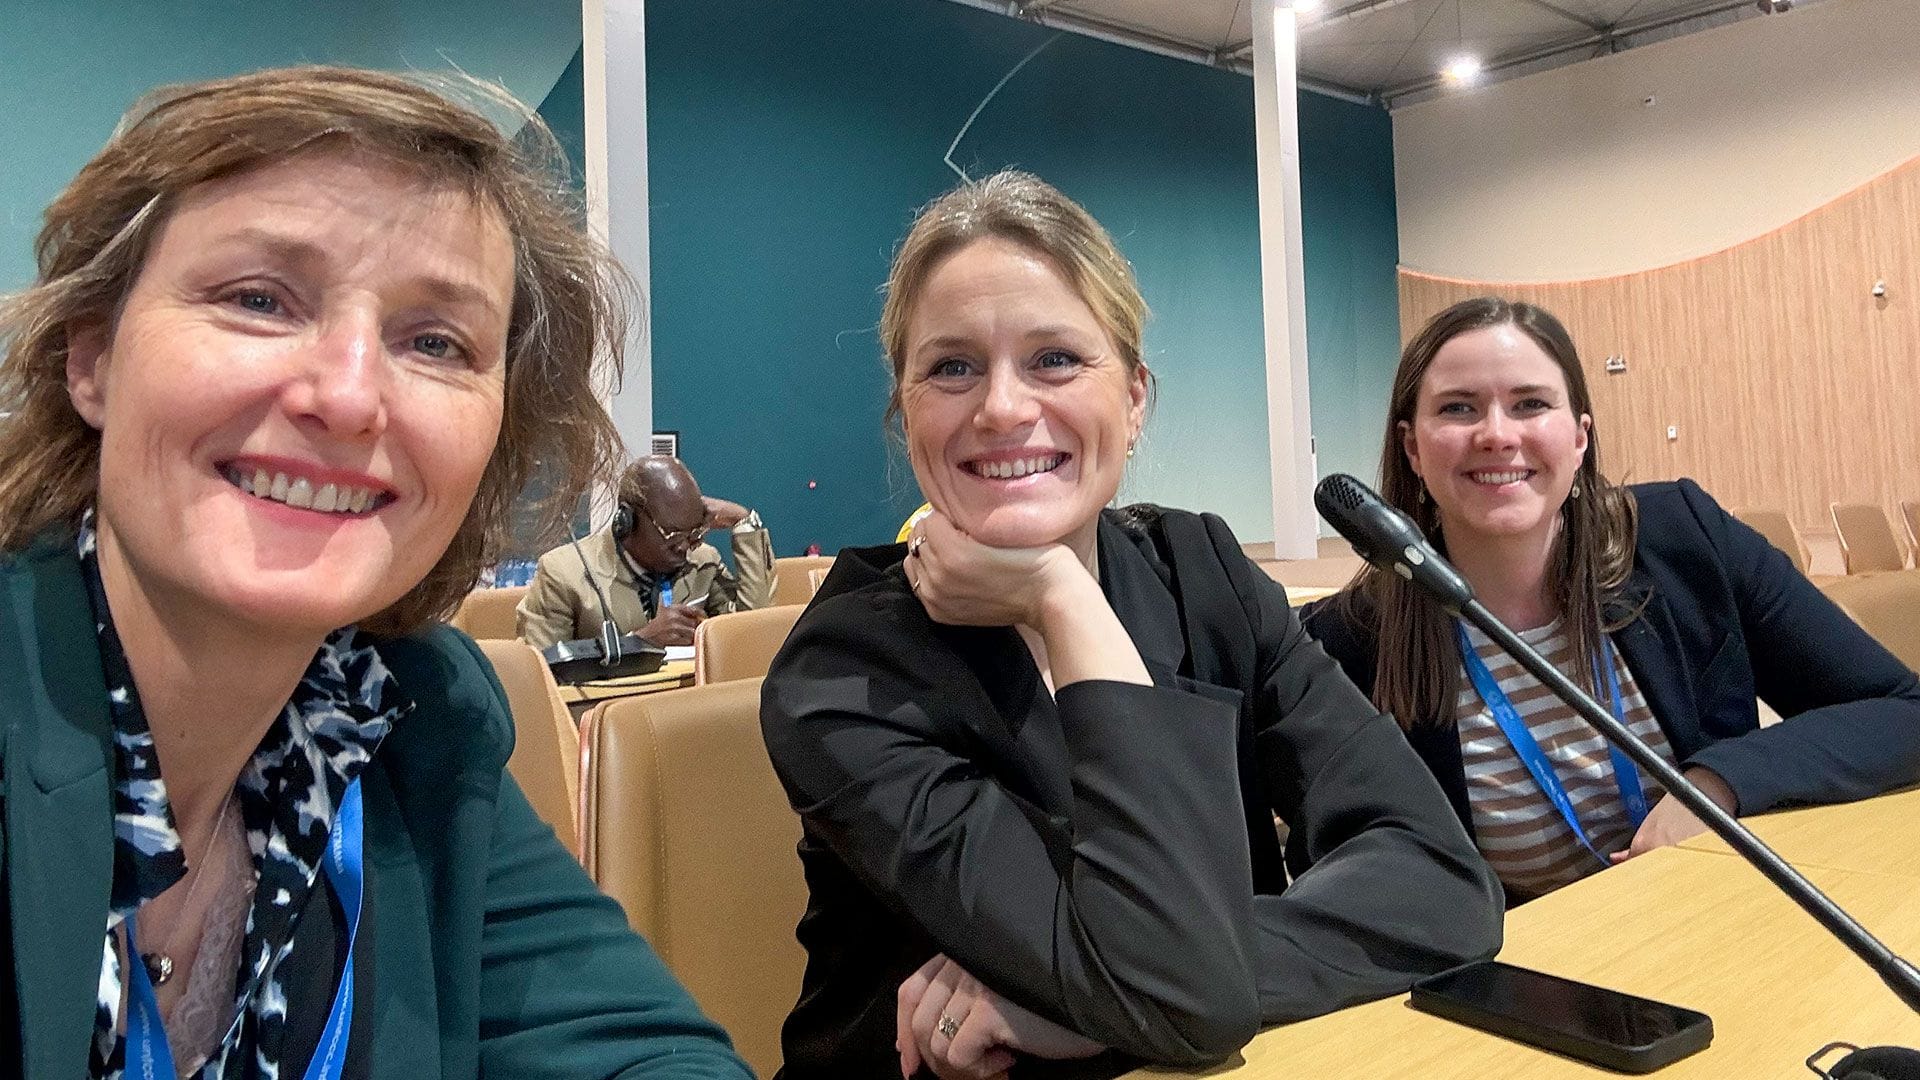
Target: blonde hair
{"x": 1026, "y": 210}
{"x": 565, "y": 333}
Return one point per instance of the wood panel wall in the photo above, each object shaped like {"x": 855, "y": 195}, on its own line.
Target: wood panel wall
{"x": 1790, "y": 384}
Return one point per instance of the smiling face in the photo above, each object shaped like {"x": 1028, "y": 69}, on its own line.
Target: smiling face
{"x": 300, "y": 394}
{"x": 1494, "y": 438}
{"x": 1018, "y": 407}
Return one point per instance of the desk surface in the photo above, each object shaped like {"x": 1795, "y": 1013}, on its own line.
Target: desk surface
{"x": 1685, "y": 926}
{"x": 672, "y": 675}
{"x": 1876, "y": 836}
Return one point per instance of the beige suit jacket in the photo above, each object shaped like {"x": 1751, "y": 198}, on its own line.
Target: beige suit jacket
{"x": 560, "y": 605}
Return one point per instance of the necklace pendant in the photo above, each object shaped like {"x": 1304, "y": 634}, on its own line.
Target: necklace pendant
{"x": 159, "y": 967}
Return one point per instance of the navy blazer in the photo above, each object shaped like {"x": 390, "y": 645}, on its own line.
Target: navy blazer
{"x": 1726, "y": 619}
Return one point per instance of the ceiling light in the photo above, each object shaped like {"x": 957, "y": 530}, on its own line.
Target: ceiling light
{"x": 1305, "y": 7}
{"x": 1461, "y": 69}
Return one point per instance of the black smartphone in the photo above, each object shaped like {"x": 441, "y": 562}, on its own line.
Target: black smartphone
{"x": 1605, "y": 1027}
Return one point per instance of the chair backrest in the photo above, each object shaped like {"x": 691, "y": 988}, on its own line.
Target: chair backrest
{"x": 792, "y": 580}
{"x": 546, "y": 747}
{"x": 1867, "y": 543}
{"x": 1910, "y": 515}
{"x": 1885, "y": 605}
{"x": 741, "y": 644}
{"x": 685, "y": 824}
{"x": 1778, "y": 528}
{"x": 489, "y": 614}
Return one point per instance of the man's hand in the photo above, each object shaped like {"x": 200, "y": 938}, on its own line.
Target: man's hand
{"x": 722, "y": 514}
{"x": 674, "y": 625}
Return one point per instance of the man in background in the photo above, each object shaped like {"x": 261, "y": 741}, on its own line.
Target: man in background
{"x": 660, "y": 579}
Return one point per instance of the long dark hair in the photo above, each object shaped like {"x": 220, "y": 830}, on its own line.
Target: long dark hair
{"x": 1417, "y": 675}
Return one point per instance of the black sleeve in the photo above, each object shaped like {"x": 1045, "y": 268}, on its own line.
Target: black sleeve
{"x": 1851, "y": 710}
{"x": 1392, "y": 887}
{"x": 1128, "y": 919}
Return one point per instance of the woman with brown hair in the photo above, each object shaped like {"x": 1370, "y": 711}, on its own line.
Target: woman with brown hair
{"x": 1652, "y": 598}
{"x": 1039, "y": 747}
{"x": 297, "y": 340}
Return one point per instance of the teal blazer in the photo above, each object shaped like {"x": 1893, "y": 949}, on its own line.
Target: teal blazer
{"x": 486, "y": 949}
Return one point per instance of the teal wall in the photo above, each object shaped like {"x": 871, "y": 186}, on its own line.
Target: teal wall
{"x": 788, "y": 145}
{"x": 68, "y": 68}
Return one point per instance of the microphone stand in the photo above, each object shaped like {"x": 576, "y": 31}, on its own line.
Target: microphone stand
{"x": 1899, "y": 975}
{"x": 1385, "y": 537}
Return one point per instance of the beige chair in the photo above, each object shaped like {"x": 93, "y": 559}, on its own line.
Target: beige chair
{"x": 740, "y": 645}
{"x": 793, "y": 582}
{"x": 488, "y": 614}
{"x": 1778, "y": 528}
{"x": 1886, "y": 606}
{"x": 684, "y": 823}
{"x": 1910, "y": 514}
{"x": 1867, "y": 543}
{"x": 546, "y": 748}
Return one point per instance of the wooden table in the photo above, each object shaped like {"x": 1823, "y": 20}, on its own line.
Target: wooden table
{"x": 671, "y": 676}
{"x": 1683, "y": 925}
{"x": 1876, "y": 836}
{"x": 1306, "y": 594}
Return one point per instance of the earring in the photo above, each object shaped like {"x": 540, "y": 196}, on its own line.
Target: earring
{"x": 1421, "y": 495}
{"x": 1129, "y": 449}
{"x": 1576, "y": 489}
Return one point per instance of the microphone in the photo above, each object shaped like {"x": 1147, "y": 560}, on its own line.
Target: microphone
{"x": 608, "y": 655}
{"x": 1385, "y": 537}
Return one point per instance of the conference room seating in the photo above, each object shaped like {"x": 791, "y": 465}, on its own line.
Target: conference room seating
{"x": 1867, "y": 543}
{"x": 1886, "y": 606}
{"x": 489, "y": 613}
{"x": 793, "y": 582}
{"x": 684, "y": 823}
{"x": 546, "y": 748}
{"x": 1778, "y": 528}
{"x": 740, "y": 644}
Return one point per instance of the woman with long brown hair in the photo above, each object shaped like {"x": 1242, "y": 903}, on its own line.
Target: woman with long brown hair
{"x": 1651, "y": 597}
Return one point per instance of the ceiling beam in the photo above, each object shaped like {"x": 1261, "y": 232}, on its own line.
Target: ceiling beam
{"x": 1308, "y": 23}
{"x": 1591, "y": 24}
{"x": 1062, "y": 19}
{"x": 1615, "y": 39}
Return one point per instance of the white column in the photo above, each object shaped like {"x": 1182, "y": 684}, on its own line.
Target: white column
{"x": 614, "y": 69}
{"x": 1283, "y": 289}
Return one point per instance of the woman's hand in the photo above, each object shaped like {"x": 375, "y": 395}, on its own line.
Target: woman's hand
{"x": 1670, "y": 822}
{"x": 963, "y": 582}
{"x": 951, "y": 1023}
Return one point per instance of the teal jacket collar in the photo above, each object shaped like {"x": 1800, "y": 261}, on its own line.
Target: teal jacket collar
{"x": 56, "y": 758}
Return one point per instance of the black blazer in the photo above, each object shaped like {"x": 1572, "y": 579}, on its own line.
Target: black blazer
{"x": 1727, "y": 619}
{"x": 1105, "y": 856}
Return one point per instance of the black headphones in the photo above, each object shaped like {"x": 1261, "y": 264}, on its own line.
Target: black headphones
{"x": 623, "y": 521}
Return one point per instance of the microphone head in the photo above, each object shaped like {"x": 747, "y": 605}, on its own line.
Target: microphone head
{"x": 1386, "y": 538}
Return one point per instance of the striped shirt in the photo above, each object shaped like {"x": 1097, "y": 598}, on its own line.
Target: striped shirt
{"x": 1521, "y": 834}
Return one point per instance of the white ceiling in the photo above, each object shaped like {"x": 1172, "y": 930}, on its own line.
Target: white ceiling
{"x": 1391, "y": 51}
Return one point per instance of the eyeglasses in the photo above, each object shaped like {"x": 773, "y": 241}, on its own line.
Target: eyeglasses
{"x": 677, "y": 537}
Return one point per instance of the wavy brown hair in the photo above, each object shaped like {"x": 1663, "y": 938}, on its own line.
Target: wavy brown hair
{"x": 565, "y": 332}
{"x": 1417, "y": 670}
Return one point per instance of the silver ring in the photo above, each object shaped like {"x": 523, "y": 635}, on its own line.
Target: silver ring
{"x": 949, "y": 1026}
{"x": 914, "y": 545}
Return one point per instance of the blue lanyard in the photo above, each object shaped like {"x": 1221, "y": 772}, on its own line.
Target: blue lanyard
{"x": 148, "y": 1055}
{"x": 1535, "y": 759}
